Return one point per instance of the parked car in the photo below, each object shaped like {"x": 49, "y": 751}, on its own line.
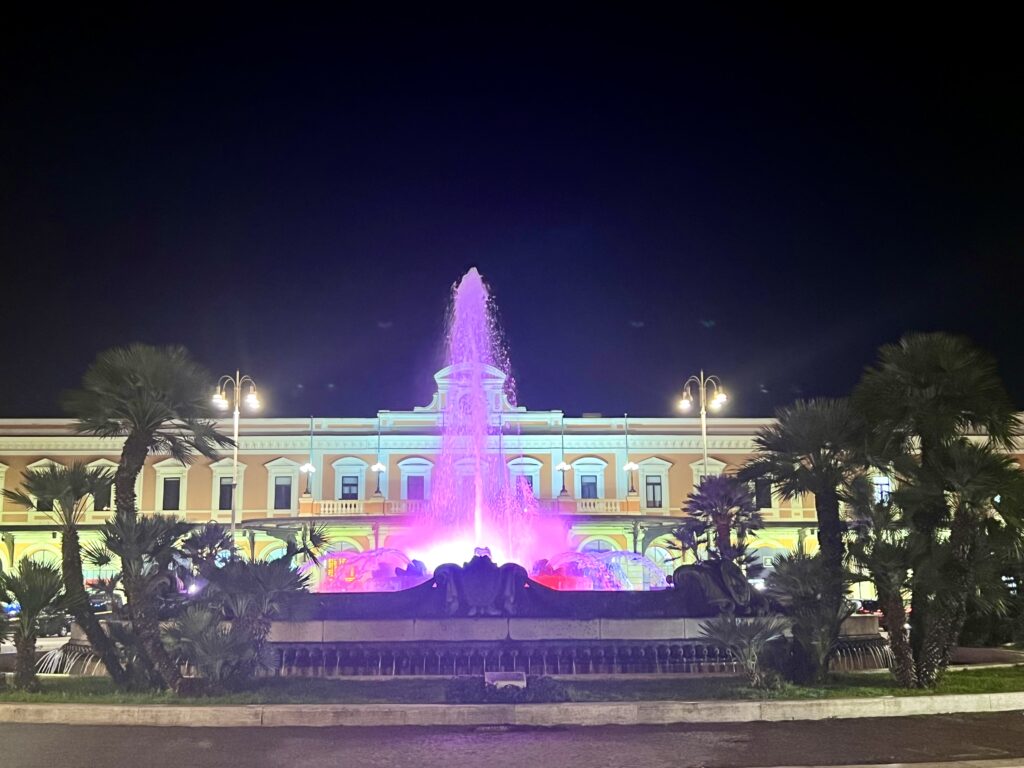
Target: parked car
{"x": 50, "y": 623}
{"x": 54, "y": 624}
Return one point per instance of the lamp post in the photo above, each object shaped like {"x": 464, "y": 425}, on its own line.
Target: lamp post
{"x": 308, "y": 469}
{"x": 378, "y": 468}
{"x": 230, "y": 391}
{"x": 630, "y": 466}
{"x": 704, "y": 385}
{"x": 562, "y": 466}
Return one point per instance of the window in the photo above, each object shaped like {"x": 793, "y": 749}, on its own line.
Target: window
{"x": 101, "y": 500}
{"x": 653, "y": 491}
{"x": 282, "y": 493}
{"x": 350, "y": 487}
{"x": 883, "y": 488}
{"x": 598, "y": 545}
{"x": 763, "y": 493}
{"x": 414, "y": 489}
{"x": 524, "y": 473}
{"x": 282, "y": 484}
{"x": 588, "y": 486}
{"x": 414, "y": 478}
{"x": 44, "y": 505}
{"x": 714, "y": 468}
{"x": 224, "y": 494}
{"x": 172, "y": 494}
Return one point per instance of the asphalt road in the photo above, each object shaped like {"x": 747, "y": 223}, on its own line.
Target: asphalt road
{"x": 838, "y": 742}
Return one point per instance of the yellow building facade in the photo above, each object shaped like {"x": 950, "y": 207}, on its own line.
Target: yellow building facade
{"x": 604, "y": 505}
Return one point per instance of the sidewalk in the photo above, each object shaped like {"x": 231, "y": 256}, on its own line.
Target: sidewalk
{"x": 545, "y": 715}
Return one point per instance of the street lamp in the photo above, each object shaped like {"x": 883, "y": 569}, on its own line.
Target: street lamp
{"x": 562, "y": 466}
{"x": 630, "y": 466}
{"x": 230, "y": 390}
{"x": 378, "y": 468}
{"x": 705, "y": 385}
{"x": 308, "y": 469}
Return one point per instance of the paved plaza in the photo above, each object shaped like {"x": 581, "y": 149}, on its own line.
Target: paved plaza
{"x": 845, "y": 742}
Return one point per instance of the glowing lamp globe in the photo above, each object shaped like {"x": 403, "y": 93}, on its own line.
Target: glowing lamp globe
{"x": 378, "y": 467}
{"x": 252, "y": 401}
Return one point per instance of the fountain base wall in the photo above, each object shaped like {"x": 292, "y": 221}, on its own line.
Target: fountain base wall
{"x": 463, "y": 646}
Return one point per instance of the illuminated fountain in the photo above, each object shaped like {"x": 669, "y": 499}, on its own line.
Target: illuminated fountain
{"x": 473, "y": 504}
{"x": 483, "y": 579}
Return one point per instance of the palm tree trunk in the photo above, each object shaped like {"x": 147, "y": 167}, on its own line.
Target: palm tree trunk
{"x": 723, "y": 539}
{"x": 133, "y": 459}
{"x": 78, "y": 603}
{"x": 146, "y": 626}
{"x": 141, "y": 611}
{"x": 830, "y": 541}
{"x": 899, "y": 641}
{"x": 957, "y": 587}
{"x": 25, "y": 661}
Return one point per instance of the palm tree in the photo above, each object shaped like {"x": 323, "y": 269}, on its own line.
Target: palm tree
{"x": 799, "y": 584}
{"x": 62, "y": 493}
{"x": 253, "y": 593}
{"x": 924, "y": 394}
{"x": 973, "y": 477}
{"x": 883, "y": 549}
{"x": 748, "y": 641}
{"x": 221, "y": 652}
{"x": 146, "y": 548}
{"x": 724, "y": 503}
{"x": 157, "y": 400}
{"x": 35, "y": 588}
{"x": 932, "y": 387}
{"x": 813, "y": 447}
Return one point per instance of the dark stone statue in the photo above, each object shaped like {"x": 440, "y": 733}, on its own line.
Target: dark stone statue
{"x": 481, "y": 588}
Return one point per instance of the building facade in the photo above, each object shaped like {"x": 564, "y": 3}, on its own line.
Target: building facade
{"x": 371, "y": 474}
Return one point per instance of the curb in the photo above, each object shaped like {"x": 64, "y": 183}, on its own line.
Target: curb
{"x": 536, "y": 715}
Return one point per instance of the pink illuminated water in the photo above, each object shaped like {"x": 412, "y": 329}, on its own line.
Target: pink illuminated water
{"x": 473, "y": 501}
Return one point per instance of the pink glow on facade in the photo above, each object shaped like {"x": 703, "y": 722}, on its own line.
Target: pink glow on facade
{"x": 474, "y": 502}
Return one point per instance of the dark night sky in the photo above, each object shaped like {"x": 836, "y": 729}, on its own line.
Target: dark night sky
{"x": 769, "y": 197}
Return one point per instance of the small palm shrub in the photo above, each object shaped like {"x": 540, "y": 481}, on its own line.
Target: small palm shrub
{"x": 35, "y": 587}
{"x": 799, "y": 585}
{"x": 749, "y": 641}
{"x": 220, "y": 652}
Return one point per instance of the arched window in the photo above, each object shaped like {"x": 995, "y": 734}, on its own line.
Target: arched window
{"x": 415, "y": 478}
{"x": 588, "y": 477}
{"x": 598, "y": 544}
{"x": 350, "y": 478}
{"x": 525, "y": 471}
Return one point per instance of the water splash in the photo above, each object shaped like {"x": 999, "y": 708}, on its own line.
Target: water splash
{"x": 473, "y": 501}
{"x": 378, "y": 570}
{"x": 615, "y": 570}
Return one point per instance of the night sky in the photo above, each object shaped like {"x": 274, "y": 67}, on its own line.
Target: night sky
{"x": 769, "y": 197}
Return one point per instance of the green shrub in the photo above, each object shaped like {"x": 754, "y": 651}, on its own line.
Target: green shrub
{"x": 750, "y": 642}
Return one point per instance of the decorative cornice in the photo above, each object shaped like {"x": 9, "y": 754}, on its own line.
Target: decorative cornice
{"x": 50, "y": 446}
